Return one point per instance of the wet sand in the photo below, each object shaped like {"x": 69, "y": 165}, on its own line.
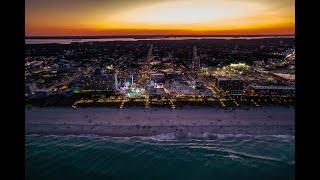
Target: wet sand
{"x": 185, "y": 122}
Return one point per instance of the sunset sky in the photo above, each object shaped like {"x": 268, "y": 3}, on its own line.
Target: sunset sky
{"x": 148, "y": 17}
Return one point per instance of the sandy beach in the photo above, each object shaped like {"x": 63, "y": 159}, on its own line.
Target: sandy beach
{"x": 185, "y": 122}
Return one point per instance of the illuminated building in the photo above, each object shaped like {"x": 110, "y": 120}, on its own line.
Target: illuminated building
{"x": 231, "y": 84}
{"x": 157, "y": 77}
{"x": 116, "y": 80}
{"x": 42, "y": 92}
{"x": 195, "y": 60}
{"x": 156, "y": 92}
{"x": 270, "y": 90}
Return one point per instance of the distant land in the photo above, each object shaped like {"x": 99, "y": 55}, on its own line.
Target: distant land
{"x": 147, "y": 36}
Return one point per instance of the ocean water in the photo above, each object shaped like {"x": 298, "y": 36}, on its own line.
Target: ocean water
{"x": 220, "y": 157}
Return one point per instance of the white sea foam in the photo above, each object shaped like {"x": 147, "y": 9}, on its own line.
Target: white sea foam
{"x": 232, "y": 156}
{"x": 164, "y": 136}
{"x": 175, "y": 136}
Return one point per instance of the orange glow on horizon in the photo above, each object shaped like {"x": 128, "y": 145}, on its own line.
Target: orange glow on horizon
{"x": 114, "y": 32}
{"x": 161, "y": 17}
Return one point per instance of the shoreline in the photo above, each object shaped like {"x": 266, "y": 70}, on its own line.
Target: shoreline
{"x": 182, "y": 123}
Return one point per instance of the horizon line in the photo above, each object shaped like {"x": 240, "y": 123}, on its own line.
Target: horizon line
{"x": 152, "y": 35}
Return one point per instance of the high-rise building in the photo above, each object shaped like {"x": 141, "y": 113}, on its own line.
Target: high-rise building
{"x": 149, "y": 56}
{"x": 116, "y": 80}
{"x": 195, "y": 60}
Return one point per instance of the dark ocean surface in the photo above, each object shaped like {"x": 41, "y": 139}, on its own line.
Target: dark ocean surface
{"x": 220, "y": 157}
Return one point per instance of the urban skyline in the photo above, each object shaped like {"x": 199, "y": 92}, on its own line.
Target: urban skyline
{"x": 222, "y": 73}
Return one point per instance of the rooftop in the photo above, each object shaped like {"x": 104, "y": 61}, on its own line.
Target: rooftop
{"x": 228, "y": 78}
{"x": 273, "y": 87}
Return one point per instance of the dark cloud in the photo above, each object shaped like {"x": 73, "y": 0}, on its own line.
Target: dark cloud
{"x": 86, "y": 4}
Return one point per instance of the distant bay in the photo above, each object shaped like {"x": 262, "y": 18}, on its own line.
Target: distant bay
{"x": 82, "y": 40}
